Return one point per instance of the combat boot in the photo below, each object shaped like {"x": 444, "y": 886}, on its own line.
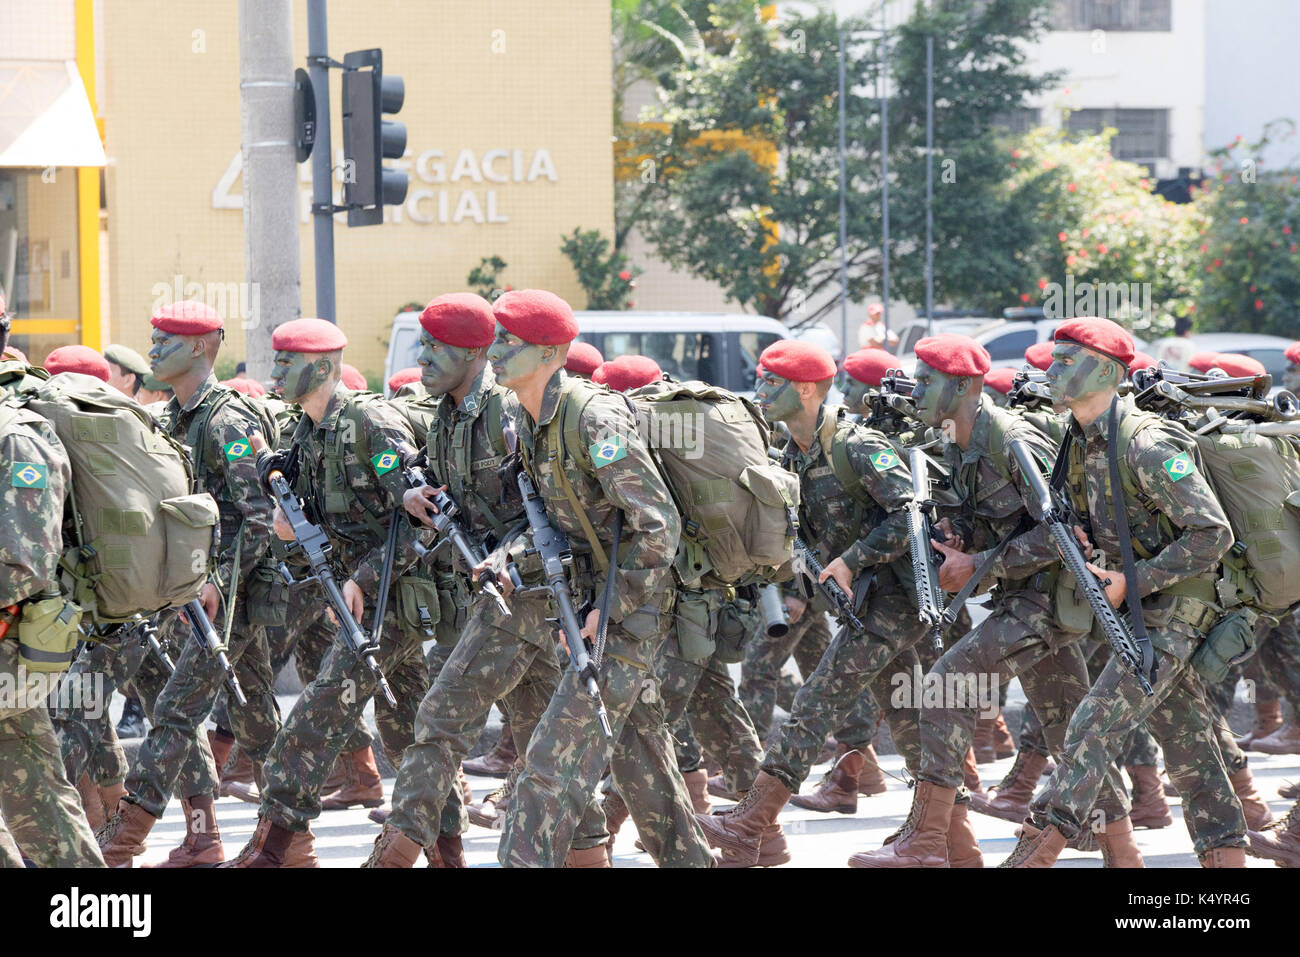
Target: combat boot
{"x": 1150, "y": 808}
{"x": 221, "y": 746}
{"x": 1118, "y": 849}
{"x": 1224, "y": 857}
{"x": 963, "y": 845}
{"x": 91, "y": 803}
{"x": 982, "y": 740}
{"x": 1290, "y": 791}
{"x": 497, "y": 762}
{"x": 739, "y": 833}
{"x": 838, "y": 789}
{"x": 363, "y": 785}
{"x": 922, "y": 841}
{"x": 393, "y": 849}
{"x": 1268, "y": 718}
{"x": 451, "y": 850}
{"x": 202, "y": 844}
{"x": 122, "y": 836}
{"x": 1257, "y": 813}
{"x": 491, "y": 813}
{"x": 381, "y": 814}
{"x": 1004, "y": 746}
{"x": 871, "y": 779}
{"x": 1285, "y": 740}
{"x": 718, "y": 788}
{"x": 338, "y": 775}
{"x": 588, "y": 857}
{"x": 697, "y": 786}
{"x": 241, "y": 780}
{"x": 616, "y": 812}
{"x": 274, "y": 846}
{"x": 1279, "y": 841}
{"x": 1010, "y": 799}
{"x": 1037, "y": 848}
{"x": 970, "y": 773}
{"x": 466, "y": 792}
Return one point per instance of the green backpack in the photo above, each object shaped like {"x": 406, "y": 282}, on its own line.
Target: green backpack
{"x": 142, "y": 540}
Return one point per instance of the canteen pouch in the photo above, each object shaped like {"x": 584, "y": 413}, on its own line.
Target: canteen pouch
{"x": 418, "y": 606}
{"x": 1231, "y": 641}
{"x": 266, "y": 597}
{"x": 737, "y": 622}
{"x": 694, "y": 642}
{"x": 189, "y": 527}
{"x": 1070, "y": 609}
{"x": 47, "y": 634}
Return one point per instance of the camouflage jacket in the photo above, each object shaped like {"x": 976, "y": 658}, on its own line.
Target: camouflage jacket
{"x": 610, "y": 469}
{"x": 16, "y": 375}
{"x": 36, "y": 475}
{"x": 225, "y": 466}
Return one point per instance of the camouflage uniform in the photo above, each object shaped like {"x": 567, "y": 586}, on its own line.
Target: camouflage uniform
{"x": 1182, "y": 531}
{"x": 569, "y": 751}
{"x": 41, "y": 810}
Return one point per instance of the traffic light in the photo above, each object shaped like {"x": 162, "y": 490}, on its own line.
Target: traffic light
{"x": 369, "y": 139}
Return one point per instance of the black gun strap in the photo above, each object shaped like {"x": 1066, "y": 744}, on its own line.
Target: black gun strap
{"x": 607, "y": 596}
{"x": 1126, "y": 546}
{"x": 386, "y": 576}
{"x": 963, "y": 595}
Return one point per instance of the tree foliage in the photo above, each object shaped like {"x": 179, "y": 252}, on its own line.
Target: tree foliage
{"x": 603, "y": 272}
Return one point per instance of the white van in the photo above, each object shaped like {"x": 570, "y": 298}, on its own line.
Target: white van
{"x": 719, "y": 348}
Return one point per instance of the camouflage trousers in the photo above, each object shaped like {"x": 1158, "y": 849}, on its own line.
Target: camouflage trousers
{"x": 507, "y": 658}
{"x": 327, "y": 714}
{"x": 1019, "y": 639}
{"x": 704, "y": 713}
{"x": 852, "y": 667}
{"x": 1178, "y": 714}
{"x": 568, "y": 752}
{"x": 41, "y": 811}
{"x": 1274, "y": 670}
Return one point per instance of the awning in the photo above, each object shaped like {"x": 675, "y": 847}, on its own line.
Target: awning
{"x": 45, "y": 117}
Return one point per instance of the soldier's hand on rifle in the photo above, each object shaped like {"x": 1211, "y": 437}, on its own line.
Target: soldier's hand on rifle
{"x": 589, "y": 627}
{"x": 840, "y": 572}
{"x": 356, "y": 602}
{"x": 496, "y": 562}
{"x": 210, "y": 599}
{"x": 794, "y": 607}
{"x": 419, "y": 502}
{"x": 280, "y": 525}
{"x": 1114, "y": 585}
{"x": 1084, "y": 544}
{"x": 949, "y": 532}
{"x": 957, "y": 567}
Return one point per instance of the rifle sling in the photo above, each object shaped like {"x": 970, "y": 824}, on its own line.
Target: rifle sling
{"x": 1126, "y": 545}
{"x": 963, "y": 595}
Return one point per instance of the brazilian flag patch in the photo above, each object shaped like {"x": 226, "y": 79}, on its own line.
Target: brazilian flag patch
{"x": 236, "y": 449}
{"x": 1180, "y": 466}
{"x": 884, "y": 460}
{"x": 27, "y": 475}
{"x": 384, "y": 462}
{"x": 611, "y": 450}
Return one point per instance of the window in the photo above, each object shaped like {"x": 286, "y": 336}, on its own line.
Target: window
{"x": 1149, "y": 15}
{"x": 1011, "y": 345}
{"x": 1143, "y": 135}
{"x": 1017, "y": 121}
{"x": 749, "y": 346}
{"x": 683, "y": 355}
{"x": 1274, "y": 361}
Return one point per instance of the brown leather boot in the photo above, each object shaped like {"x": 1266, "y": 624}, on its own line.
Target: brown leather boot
{"x": 91, "y": 803}
{"x": 1150, "y": 808}
{"x": 393, "y": 849}
{"x": 1257, "y": 813}
{"x": 1010, "y": 799}
{"x": 1285, "y": 740}
{"x": 830, "y": 750}
{"x": 1037, "y": 848}
{"x": 838, "y": 789}
{"x": 202, "y": 844}
{"x": 381, "y": 814}
{"x": 338, "y": 775}
{"x": 1268, "y": 718}
{"x": 1290, "y": 791}
{"x": 1224, "y": 857}
{"x": 982, "y": 740}
{"x": 363, "y": 786}
{"x": 1004, "y": 746}
{"x": 221, "y": 747}
{"x": 466, "y": 792}
{"x": 274, "y": 846}
{"x": 718, "y": 788}
{"x": 923, "y": 839}
{"x": 122, "y": 836}
{"x": 1118, "y": 849}
{"x": 1279, "y": 841}
{"x": 449, "y": 850}
{"x": 871, "y": 779}
{"x": 697, "y": 786}
{"x": 616, "y": 813}
{"x": 491, "y": 812}
{"x": 588, "y": 857}
{"x": 963, "y": 845}
{"x": 970, "y": 773}
{"x": 497, "y": 762}
{"x": 241, "y": 780}
{"x": 739, "y": 832}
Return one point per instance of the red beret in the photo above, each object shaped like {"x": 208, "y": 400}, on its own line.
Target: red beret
{"x": 1000, "y": 379}
{"x": 186, "y": 318}
{"x": 352, "y": 378}
{"x": 870, "y": 365}
{"x": 1293, "y": 353}
{"x": 536, "y": 316}
{"x": 1039, "y": 355}
{"x": 13, "y": 352}
{"x": 81, "y": 359}
{"x": 798, "y": 361}
{"x": 460, "y": 319}
{"x": 627, "y": 372}
{"x": 308, "y": 335}
{"x": 1202, "y": 361}
{"x": 403, "y": 377}
{"x": 1100, "y": 335}
{"x": 584, "y": 359}
{"x": 1140, "y": 361}
{"x": 1232, "y": 363}
{"x": 952, "y": 354}
{"x": 247, "y": 386}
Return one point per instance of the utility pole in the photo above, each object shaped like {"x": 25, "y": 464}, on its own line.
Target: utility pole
{"x": 270, "y": 175}
{"x": 929, "y": 185}
{"x": 884, "y": 169}
{"x": 844, "y": 226}
{"x": 322, "y": 172}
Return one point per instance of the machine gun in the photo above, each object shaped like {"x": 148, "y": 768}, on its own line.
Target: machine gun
{"x": 1136, "y": 655}
{"x": 807, "y": 563}
{"x": 891, "y": 407}
{"x": 1029, "y": 390}
{"x": 930, "y": 599}
{"x": 1205, "y": 401}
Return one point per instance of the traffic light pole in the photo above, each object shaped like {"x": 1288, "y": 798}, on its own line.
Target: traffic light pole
{"x": 322, "y": 158}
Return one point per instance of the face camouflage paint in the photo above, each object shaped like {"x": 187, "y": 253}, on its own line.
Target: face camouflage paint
{"x": 170, "y": 355}
{"x": 296, "y": 373}
{"x": 512, "y": 359}
{"x": 441, "y": 366}
{"x": 776, "y": 397}
{"x": 855, "y": 395}
{"x": 937, "y": 394}
{"x": 1077, "y": 372}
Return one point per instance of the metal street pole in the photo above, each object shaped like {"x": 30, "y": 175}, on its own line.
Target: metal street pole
{"x": 270, "y": 176}
{"x": 884, "y": 170}
{"x": 322, "y": 158}
{"x": 844, "y": 227}
{"x": 929, "y": 185}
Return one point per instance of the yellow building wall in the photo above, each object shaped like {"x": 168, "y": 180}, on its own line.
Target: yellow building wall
{"x": 508, "y": 75}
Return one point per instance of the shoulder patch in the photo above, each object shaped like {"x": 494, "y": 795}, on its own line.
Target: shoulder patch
{"x": 884, "y": 460}
{"x": 1179, "y": 467}
{"x": 611, "y": 450}
{"x": 28, "y": 475}
{"x": 236, "y": 449}
{"x": 385, "y": 461}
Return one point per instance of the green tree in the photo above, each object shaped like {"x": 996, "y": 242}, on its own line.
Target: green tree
{"x": 485, "y": 278}
{"x": 604, "y": 273}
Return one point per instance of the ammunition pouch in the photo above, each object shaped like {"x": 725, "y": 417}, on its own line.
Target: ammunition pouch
{"x": 693, "y": 621}
{"x": 737, "y": 622}
{"x": 47, "y": 634}
{"x": 1070, "y": 609}
{"x": 266, "y": 597}
{"x": 420, "y": 609}
{"x": 1230, "y": 641}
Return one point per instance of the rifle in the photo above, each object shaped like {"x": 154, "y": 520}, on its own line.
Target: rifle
{"x": 807, "y": 562}
{"x": 1029, "y": 390}
{"x": 208, "y": 637}
{"x": 145, "y": 629}
{"x": 1059, "y": 518}
{"x": 930, "y": 599}
{"x": 892, "y": 408}
{"x": 1178, "y": 394}
{"x": 774, "y": 613}
{"x": 315, "y": 546}
{"x": 552, "y": 546}
{"x": 446, "y": 524}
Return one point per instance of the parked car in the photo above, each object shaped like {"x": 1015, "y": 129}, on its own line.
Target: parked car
{"x": 1267, "y": 349}
{"x": 914, "y": 330}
